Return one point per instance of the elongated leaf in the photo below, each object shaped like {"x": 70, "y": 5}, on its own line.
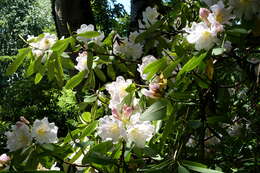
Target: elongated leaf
{"x": 169, "y": 69}
{"x": 154, "y": 67}
{"x": 202, "y": 170}
{"x": 100, "y": 74}
{"x": 192, "y": 64}
{"x": 75, "y": 80}
{"x": 156, "y": 111}
{"x": 89, "y": 34}
{"x": 18, "y": 61}
{"x": 61, "y": 45}
{"x": 38, "y": 78}
{"x": 182, "y": 169}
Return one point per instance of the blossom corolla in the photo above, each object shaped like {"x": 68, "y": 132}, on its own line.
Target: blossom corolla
{"x": 44, "y": 132}
{"x": 139, "y": 131}
{"x": 85, "y": 28}
{"x": 150, "y": 17}
{"x": 117, "y": 90}
{"x": 245, "y": 8}
{"x": 145, "y": 61}
{"x": 19, "y": 136}
{"x": 203, "y": 36}
{"x": 42, "y": 45}
{"x": 156, "y": 87}
{"x": 128, "y": 47}
{"x": 110, "y": 128}
{"x": 82, "y": 61}
{"x": 4, "y": 159}
{"x": 220, "y": 14}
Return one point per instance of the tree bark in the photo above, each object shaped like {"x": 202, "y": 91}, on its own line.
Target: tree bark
{"x": 137, "y": 7}
{"x": 70, "y": 14}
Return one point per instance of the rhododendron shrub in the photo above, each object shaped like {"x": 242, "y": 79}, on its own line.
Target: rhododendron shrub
{"x": 181, "y": 94}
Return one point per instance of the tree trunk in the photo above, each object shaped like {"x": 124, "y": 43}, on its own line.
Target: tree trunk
{"x": 70, "y": 14}
{"x": 137, "y": 7}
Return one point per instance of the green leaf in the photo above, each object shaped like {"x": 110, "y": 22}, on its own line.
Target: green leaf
{"x": 200, "y": 169}
{"x": 89, "y": 129}
{"x": 90, "y": 60}
{"x": 156, "y": 111}
{"x": 38, "y": 78}
{"x": 61, "y": 45}
{"x": 97, "y": 154}
{"x": 169, "y": 69}
{"x": 98, "y": 158}
{"x": 57, "y": 151}
{"x": 89, "y": 34}
{"x": 59, "y": 69}
{"x": 154, "y": 67}
{"x": 100, "y": 74}
{"x": 86, "y": 116}
{"x": 90, "y": 98}
{"x": 75, "y": 80}
{"x": 182, "y": 169}
{"x": 111, "y": 72}
{"x": 192, "y": 64}
{"x": 18, "y": 61}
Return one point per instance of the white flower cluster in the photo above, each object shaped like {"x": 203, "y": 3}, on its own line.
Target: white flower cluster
{"x": 150, "y": 17}
{"x": 82, "y": 61}
{"x": 85, "y": 28}
{"x": 21, "y": 136}
{"x": 124, "y": 123}
{"x": 204, "y": 34}
{"x": 128, "y": 46}
{"x": 41, "y": 46}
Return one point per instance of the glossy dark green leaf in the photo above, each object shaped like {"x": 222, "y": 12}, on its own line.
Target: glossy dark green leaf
{"x": 192, "y": 64}
{"x": 156, "y": 111}
{"x": 182, "y": 169}
{"x": 75, "y": 80}
{"x": 154, "y": 67}
{"x": 100, "y": 74}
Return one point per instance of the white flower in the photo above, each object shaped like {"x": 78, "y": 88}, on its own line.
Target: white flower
{"x": 117, "y": 90}
{"x": 245, "y": 8}
{"x": 128, "y": 47}
{"x": 220, "y": 14}
{"x": 145, "y": 61}
{"x": 85, "y": 28}
{"x": 139, "y": 131}
{"x": 150, "y": 17}
{"x": 44, "y": 132}
{"x": 18, "y": 137}
{"x": 110, "y": 128}
{"x": 4, "y": 159}
{"x": 201, "y": 35}
{"x": 42, "y": 45}
{"x": 82, "y": 62}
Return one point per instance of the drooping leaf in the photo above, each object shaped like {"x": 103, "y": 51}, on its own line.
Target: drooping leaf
{"x": 89, "y": 34}
{"x": 75, "y": 80}
{"x": 192, "y": 64}
{"x": 182, "y": 169}
{"x": 22, "y": 53}
{"x": 156, "y": 111}
{"x": 154, "y": 67}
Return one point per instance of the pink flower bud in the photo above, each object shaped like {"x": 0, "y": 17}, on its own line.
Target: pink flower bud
{"x": 4, "y": 159}
{"x": 204, "y": 13}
